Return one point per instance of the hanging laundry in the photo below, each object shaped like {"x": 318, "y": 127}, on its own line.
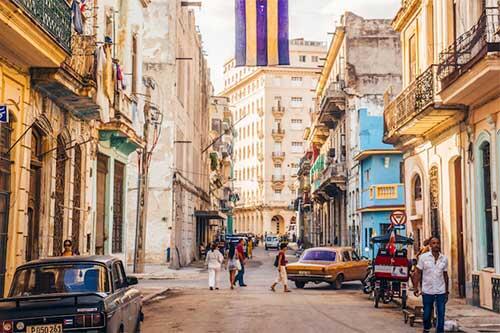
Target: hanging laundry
{"x": 100, "y": 60}
{"x": 120, "y": 77}
{"x": 77, "y": 17}
{"x": 83, "y": 5}
{"x": 108, "y": 75}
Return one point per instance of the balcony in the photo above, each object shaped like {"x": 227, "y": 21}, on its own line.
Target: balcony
{"x": 260, "y": 112}
{"x": 260, "y": 134}
{"x": 417, "y": 112}
{"x": 37, "y": 32}
{"x": 278, "y": 156}
{"x": 278, "y": 182}
{"x": 260, "y": 157}
{"x": 382, "y": 195}
{"x": 278, "y": 134}
{"x": 330, "y": 181}
{"x": 278, "y": 111}
{"x": 332, "y": 105}
{"x": 467, "y": 74}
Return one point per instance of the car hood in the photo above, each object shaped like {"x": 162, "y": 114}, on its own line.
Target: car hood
{"x": 49, "y": 305}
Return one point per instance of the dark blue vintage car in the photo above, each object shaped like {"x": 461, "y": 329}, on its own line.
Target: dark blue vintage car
{"x": 72, "y": 294}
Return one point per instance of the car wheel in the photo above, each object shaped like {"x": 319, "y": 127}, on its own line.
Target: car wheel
{"x": 300, "y": 284}
{"x": 266, "y": 248}
{"x": 338, "y": 282}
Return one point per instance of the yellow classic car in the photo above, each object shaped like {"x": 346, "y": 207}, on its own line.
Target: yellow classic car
{"x": 334, "y": 265}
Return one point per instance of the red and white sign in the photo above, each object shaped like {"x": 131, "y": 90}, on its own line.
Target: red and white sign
{"x": 398, "y": 218}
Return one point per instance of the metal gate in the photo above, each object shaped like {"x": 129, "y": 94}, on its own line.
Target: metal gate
{"x": 60, "y": 187}
{"x": 77, "y": 194}
{"x": 117, "y": 241}
{"x": 5, "y": 165}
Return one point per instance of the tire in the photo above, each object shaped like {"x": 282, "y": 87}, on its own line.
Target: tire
{"x": 376, "y": 298}
{"x": 300, "y": 284}
{"x": 266, "y": 248}
{"x": 404, "y": 298}
{"x": 338, "y": 282}
{"x": 138, "y": 326}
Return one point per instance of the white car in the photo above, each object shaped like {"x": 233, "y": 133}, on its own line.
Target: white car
{"x": 272, "y": 242}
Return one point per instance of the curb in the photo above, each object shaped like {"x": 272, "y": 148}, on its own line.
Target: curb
{"x": 150, "y": 298}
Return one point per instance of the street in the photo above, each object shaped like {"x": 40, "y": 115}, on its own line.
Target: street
{"x": 191, "y": 307}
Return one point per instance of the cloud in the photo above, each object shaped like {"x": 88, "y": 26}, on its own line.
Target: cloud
{"x": 311, "y": 19}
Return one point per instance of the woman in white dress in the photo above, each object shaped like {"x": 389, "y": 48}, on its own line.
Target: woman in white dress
{"x": 214, "y": 260}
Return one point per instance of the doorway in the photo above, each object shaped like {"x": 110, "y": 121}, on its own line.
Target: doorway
{"x": 5, "y": 188}
{"x": 485, "y": 149}
{"x": 77, "y": 200}
{"x": 117, "y": 237}
{"x": 459, "y": 227}
{"x": 34, "y": 196}
{"x": 61, "y": 158}
{"x": 102, "y": 174}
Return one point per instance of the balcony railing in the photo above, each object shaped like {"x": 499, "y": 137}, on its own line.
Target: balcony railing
{"x": 411, "y": 101}
{"x": 471, "y": 46}
{"x": 53, "y": 16}
{"x": 384, "y": 192}
{"x": 335, "y": 171}
{"x": 278, "y": 134}
{"x": 278, "y": 178}
{"x": 278, "y": 111}
{"x": 278, "y": 155}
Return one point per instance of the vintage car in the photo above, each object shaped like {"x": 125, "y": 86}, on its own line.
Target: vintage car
{"x": 72, "y": 294}
{"x": 334, "y": 265}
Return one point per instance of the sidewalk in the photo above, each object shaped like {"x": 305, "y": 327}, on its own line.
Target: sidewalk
{"x": 163, "y": 272}
{"x": 469, "y": 318}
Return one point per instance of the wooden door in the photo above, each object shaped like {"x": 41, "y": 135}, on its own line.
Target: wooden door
{"x": 117, "y": 242}
{"x": 34, "y": 197}
{"x": 459, "y": 227}
{"x": 487, "y": 204}
{"x": 77, "y": 200}
{"x": 102, "y": 173}
{"x": 5, "y": 165}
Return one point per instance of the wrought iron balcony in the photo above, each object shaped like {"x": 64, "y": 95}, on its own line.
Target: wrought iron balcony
{"x": 278, "y": 156}
{"x": 52, "y": 16}
{"x": 278, "y": 111}
{"x": 332, "y": 105}
{"x": 278, "y": 178}
{"x": 278, "y": 134}
{"x": 417, "y": 110}
{"x": 470, "y": 47}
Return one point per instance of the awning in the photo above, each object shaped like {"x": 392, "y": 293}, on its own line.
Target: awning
{"x": 210, "y": 214}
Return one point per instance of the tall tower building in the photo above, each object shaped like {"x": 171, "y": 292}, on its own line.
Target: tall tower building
{"x": 271, "y": 108}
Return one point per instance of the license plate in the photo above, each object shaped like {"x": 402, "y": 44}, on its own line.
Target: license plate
{"x": 53, "y": 328}
{"x": 304, "y": 273}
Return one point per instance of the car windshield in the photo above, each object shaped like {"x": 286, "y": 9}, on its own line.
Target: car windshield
{"x": 319, "y": 255}
{"x": 270, "y": 239}
{"x": 65, "y": 278}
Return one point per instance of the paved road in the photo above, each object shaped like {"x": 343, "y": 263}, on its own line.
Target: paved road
{"x": 191, "y": 307}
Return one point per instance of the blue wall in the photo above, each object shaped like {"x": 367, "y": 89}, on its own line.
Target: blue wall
{"x": 371, "y": 131}
{"x": 374, "y": 224}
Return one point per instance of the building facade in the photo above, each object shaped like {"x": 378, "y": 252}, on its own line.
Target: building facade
{"x": 59, "y": 102}
{"x": 271, "y": 108}
{"x": 178, "y": 182}
{"x": 446, "y": 122}
{"x": 349, "y": 97}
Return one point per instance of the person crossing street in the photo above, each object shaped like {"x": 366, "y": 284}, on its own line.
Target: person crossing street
{"x": 214, "y": 260}
{"x": 281, "y": 265}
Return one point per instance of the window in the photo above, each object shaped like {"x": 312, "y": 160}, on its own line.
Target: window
{"x": 412, "y": 58}
{"x": 296, "y": 81}
{"x": 297, "y": 147}
{"x": 314, "y": 58}
{"x": 302, "y": 58}
{"x": 319, "y": 255}
{"x": 346, "y": 256}
{"x": 118, "y": 276}
{"x": 277, "y": 191}
{"x": 135, "y": 64}
{"x": 417, "y": 188}
{"x": 296, "y": 124}
{"x": 296, "y": 102}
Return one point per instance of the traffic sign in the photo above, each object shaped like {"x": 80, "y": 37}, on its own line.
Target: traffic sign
{"x": 4, "y": 114}
{"x": 398, "y": 218}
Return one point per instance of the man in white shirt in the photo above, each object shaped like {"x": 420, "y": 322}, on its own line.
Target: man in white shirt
{"x": 432, "y": 271}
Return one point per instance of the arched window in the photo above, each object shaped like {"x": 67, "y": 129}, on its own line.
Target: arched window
{"x": 417, "y": 188}
{"x": 434, "y": 201}
{"x": 34, "y": 198}
{"x": 488, "y": 227}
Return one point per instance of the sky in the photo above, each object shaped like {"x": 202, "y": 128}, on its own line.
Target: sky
{"x": 216, "y": 21}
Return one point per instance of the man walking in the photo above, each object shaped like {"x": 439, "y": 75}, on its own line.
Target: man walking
{"x": 240, "y": 252}
{"x": 432, "y": 271}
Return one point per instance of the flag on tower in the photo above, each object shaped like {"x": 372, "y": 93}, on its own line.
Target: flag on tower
{"x": 262, "y": 33}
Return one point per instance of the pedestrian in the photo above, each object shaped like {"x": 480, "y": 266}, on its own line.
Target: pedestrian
{"x": 68, "y": 248}
{"x": 214, "y": 260}
{"x": 432, "y": 273}
{"x": 240, "y": 253}
{"x": 232, "y": 264}
{"x": 250, "y": 248}
{"x": 280, "y": 263}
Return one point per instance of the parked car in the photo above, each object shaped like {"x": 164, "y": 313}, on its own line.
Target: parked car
{"x": 334, "y": 265}
{"x": 72, "y": 294}
{"x": 272, "y": 242}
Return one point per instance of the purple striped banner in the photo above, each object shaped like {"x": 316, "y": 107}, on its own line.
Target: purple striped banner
{"x": 261, "y": 32}
{"x": 283, "y": 47}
